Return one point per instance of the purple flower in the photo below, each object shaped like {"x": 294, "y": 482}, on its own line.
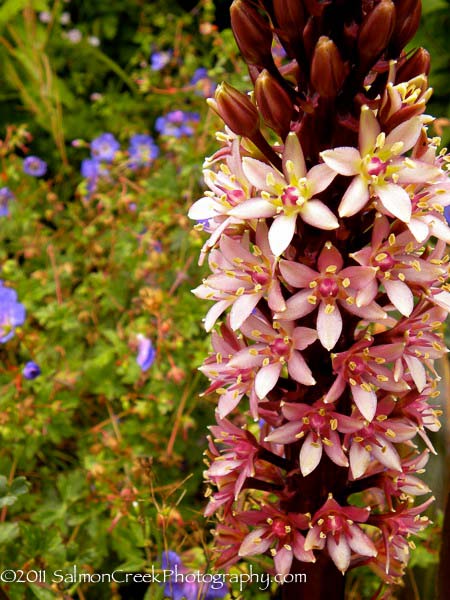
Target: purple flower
{"x": 205, "y": 86}
{"x": 176, "y": 123}
{"x": 176, "y": 588}
{"x": 12, "y": 313}
{"x": 5, "y": 196}
{"x": 142, "y": 150}
{"x": 158, "y": 60}
{"x": 104, "y": 147}
{"x": 447, "y": 213}
{"x": 146, "y": 353}
{"x": 31, "y": 370}
{"x": 34, "y": 166}
{"x": 198, "y": 75}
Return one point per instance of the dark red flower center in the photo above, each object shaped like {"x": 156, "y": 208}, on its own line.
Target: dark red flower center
{"x": 328, "y": 288}
{"x": 376, "y": 166}
{"x": 290, "y": 196}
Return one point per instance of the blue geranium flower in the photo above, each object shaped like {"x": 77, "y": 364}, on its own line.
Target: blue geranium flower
{"x": 146, "y": 352}
{"x": 142, "y": 150}
{"x": 177, "y": 123}
{"x": 34, "y": 166}
{"x": 12, "y": 313}
{"x": 178, "y": 589}
{"x": 104, "y": 147}
{"x": 31, "y": 370}
{"x": 5, "y": 197}
{"x": 159, "y": 59}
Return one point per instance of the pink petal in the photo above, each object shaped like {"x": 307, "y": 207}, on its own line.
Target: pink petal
{"x": 283, "y": 561}
{"x": 299, "y": 370}
{"x": 313, "y": 541}
{"x": 419, "y": 229}
{"x": 254, "y": 543}
{"x": 297, "y": 306}
{"x": 367, "y": 294}
{"x": 344, "y": 160}
{"x": 369, "y": 129}
{"x": 302, "y": 337}
{"x": 242, "y": 309}
{"x": 297, "y": 274}
{"x": 417, "y": 371}
{"x": 439, "y": 229}
{"x": 298, "y": 546}
{"x": 387, "y": 455}
{"x": 339, "y": 552}
{"x": 335, "y": 390}
{"x": 329, "y": 325}
{"x": 275, "y": 298}
{"x": 359, "y": 459}
{"x": 334, "y": 452}
{"x": 266, "y": 379}
{"x": 442, "y": 299}
{"x": 257, "y": 171}
{"x": 315, "y": 213}
{"x": 400, "y": 295}
{"x": 395, "y": 200}
{"x": 255, "y": 208}
{"x": 281, "y": 233}
{"x": 310, "y": 454}
{"x": 319, "y": 178}
{"x": 285, "y": 434}
{"x": 293, "y": 152}
{"x": 214, "y": 313}
{"x": 329, "y": 256}
{"x": 355, "y": 198}
{"x": 365, "y": 401}
{"x": 205, "y": 208}
{"x": 227, "y": 402}
{"x": 407, "y": 132}
{"x": 360, "y": 543}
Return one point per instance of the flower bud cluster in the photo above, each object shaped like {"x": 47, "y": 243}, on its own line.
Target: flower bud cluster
{"x": 327, "y": 250}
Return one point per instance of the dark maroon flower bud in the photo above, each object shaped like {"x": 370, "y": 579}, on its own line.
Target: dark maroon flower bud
{"x": 253, "y": 33}
{"x": 406, "y": 28}
{"x": 316, "y": 7}
{"x": 417, "y": 64}
{"x": 375, "y": 34}
{"x": 236, "y": 110}
{"x": 290, "y": 20}
{"x": 327, "y": 69}
{"x": 311, "y": 34}
{"x": 274, "y": 103}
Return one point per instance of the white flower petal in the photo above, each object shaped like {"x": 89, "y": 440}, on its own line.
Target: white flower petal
{"x": 355, "y": 198}
{"x": 266, "y": 379}
{"x": 257, "y": 172}
{"x": 293, "y": 152}
{"x": 395, "y": 200}
{"x": 315, "y": 213}
{"x": 255, "y": 208}
{"x": 344, "y": 160}
{"x": 329, "y": 325}
{"x": 281, "y": 233}
{"x": 339, "y": 552}
{"x": 400, "y": 295}
{"x": 310, "y": 454}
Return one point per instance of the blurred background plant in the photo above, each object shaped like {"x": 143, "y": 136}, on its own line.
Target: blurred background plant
{"x": 102, "y": 428}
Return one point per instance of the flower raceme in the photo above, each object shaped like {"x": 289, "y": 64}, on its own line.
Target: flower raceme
{"x": 329, "y": 270}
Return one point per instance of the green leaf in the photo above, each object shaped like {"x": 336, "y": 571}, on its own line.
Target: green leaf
{"x": 8, "y": 532}
{"x": 42, "y": 593}
{"x": 11, "y": 8}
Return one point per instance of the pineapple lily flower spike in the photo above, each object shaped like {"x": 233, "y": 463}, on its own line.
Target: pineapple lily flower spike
{"x": 328, "y": 256}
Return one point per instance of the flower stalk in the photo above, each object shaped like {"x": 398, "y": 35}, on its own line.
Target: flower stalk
{"x": 327, "y": 251}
